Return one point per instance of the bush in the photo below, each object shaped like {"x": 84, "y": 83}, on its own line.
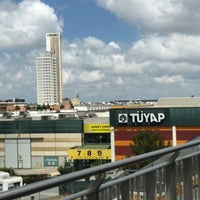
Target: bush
{"x": 11, "y": 171}
{"x": 34, "y": 178}
{"x": 67, "y": 168}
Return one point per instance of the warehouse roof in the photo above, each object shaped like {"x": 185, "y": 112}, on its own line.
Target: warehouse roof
{"x": 96, "y": 120}
{"x": 93, "y": 146}
{"x": 178, "y": 102}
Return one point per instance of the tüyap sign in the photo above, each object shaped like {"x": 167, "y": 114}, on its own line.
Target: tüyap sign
{"x": 141, "y": 117}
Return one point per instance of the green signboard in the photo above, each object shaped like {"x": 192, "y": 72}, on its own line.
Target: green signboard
{"x": 139, "y": 117}
{"x": 175, "y": 116}
{"x": 51, "y": 161}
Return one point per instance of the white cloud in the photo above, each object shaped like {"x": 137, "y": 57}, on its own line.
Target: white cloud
{"x": 161, "y": 16}
{"x": 172, "y": 47}
{"x": 145, "y": 67}
{"x": 19, "y": 76}
{"x": 114, "y": 45}
{"x": 26, "y": 23}
{"x": 169, "y": 79}
{"x": 92, "y": 42}
{"x": 120, "y": 81}
{"x": 68, "y": 77}
{"x": 163, "y": 61}
{"x": 91, "y": 76}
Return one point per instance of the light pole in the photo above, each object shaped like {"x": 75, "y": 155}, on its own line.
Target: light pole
{"x": 100, "y": 138}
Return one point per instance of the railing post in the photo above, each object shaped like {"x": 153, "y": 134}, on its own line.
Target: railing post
{"x": 171, "y": 181}
{"x": 94, "y": 187}
{"x": 125, "y": 190}
{"x": 187, "y": 179}
{"x": 198, "y": 174}
{"x": 149, "y": 186}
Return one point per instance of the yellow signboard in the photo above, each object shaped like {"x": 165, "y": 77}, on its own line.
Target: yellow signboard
{"x": 89, "y": 154}
{"x": 96, "y": 128}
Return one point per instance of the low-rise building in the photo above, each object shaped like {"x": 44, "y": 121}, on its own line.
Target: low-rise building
{"x": 38, "y": 143}
{"x": 176, "y": 119}
{"x": 96, "y": 147}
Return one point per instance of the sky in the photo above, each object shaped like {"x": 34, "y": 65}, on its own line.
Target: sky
{"x": 111, "y": 49}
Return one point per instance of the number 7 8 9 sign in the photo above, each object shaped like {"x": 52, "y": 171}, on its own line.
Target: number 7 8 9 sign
{"x": 89, "y": 154}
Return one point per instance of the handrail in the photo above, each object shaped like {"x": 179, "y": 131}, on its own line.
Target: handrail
{"x": 56, "y": 181}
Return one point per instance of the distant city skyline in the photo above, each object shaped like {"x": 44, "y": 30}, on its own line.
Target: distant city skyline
{"x": 130, "y": 49}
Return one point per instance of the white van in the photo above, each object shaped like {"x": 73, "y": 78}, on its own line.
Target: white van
{"x": 8, "y": 182}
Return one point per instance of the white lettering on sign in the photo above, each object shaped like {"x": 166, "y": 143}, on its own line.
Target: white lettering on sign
{"x": 142, "y": 117}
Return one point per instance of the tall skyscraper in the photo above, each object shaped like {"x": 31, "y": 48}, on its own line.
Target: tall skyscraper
{"x": 49, "y": 72}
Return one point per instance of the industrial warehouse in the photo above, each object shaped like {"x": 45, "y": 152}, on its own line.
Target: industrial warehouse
{"x": 38, "y": 143}
{"x": 176, "y": 119}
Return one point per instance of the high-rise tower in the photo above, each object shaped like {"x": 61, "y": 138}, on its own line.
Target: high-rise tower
{"x": 46, "y": 79}
{"x": 49, "y": 71}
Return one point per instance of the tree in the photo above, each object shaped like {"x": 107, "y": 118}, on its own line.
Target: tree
{"x": 28, "y": 107}
{"x": 44, "y": 107}
{"x": 17, "y": 108}
{"x": 48, "y": 106}
{"x": 146, "y": 141}
{"x": 62, "y": 106}
{"x": 39, "y": 107}
{"x": 67, "y": 168}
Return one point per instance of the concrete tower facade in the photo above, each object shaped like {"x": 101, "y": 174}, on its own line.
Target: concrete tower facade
{"x": 46, "y": 79}
{"x": 49, "y": 72}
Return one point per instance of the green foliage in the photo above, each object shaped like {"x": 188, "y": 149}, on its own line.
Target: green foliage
{"x": 71, "y": 104}
{"x": 62, "y": 106}
{"x": 17, "y": 108}
{"x": 96, "y": 163}
{"x": 44, "y": 107}
{"x": 32, "y": 178}
{"x": 39, "y": 107}
{"x": 48, "y": 106}
{"x": 146, "y": 141}
{"x": 28, "y": 107}
{"x": 65, "y": 169}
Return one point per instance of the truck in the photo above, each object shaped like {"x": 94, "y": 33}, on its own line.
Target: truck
{"x": 8, "y": 182}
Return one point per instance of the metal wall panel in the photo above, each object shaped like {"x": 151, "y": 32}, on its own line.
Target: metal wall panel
{"x": 42, "y": 126}
{"x": 11, "y": 158}
{"x": 8, "y": 127}
{"x": 24, "y": 153}
{"x": 17, "y": 153}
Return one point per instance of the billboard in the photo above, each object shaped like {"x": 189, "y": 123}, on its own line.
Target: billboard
{"x": 96, "y": 128}
{"x": 89, "y": 154}
{"x": 139, "y": 117}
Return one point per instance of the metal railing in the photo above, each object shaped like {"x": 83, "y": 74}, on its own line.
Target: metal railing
{"x": 175, "y": 175}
